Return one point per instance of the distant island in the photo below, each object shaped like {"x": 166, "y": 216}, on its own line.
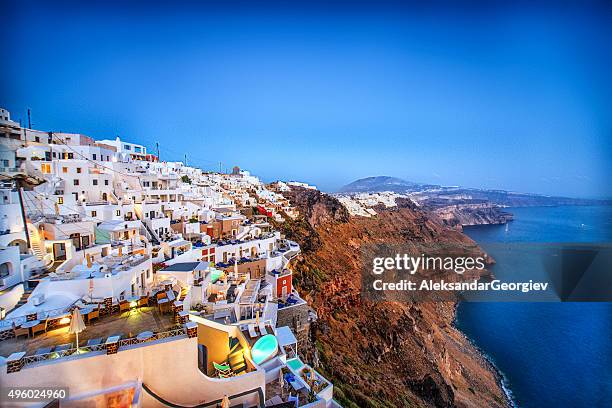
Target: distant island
{"x": 456, "y": 205}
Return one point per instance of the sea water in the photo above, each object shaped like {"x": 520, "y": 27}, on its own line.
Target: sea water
{"x": 550, "y": 354}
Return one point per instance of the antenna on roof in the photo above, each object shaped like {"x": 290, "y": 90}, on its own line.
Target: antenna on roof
{"x": 29, "y": 120}
{"x": 185, "y": 159}
{"x": 157, "y": 146}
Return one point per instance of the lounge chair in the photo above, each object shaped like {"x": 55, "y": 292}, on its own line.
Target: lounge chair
{"x": 40, "y": 327}
{"x": 43, "y": 350}
{"x": 252, "y": 331}
{"x": 63, "y": 347}
{"x": 262, "y": 328}
{"x": 223, "y": 370}
{"x": 143, "y": 301}
{"x": 94, "y": 342}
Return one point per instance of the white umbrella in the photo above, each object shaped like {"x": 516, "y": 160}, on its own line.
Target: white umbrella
{"x": 225, "y": 402}
{"x": 77, "y": 325}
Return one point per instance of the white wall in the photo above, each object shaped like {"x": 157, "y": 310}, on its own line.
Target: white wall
{"x": 168, "y": 367}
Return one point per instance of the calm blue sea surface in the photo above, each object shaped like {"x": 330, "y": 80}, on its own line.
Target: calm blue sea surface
{"x": 551, "y": 354}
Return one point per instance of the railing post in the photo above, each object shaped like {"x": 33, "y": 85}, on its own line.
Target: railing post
{"x": 192, "y": 329}
{"x": 112, "y": 345}
{"x": 14, "y": 362}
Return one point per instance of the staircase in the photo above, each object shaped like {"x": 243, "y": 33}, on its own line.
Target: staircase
{"x": 36, "y": 242}
{"x": 236, "y": 356}
{"x": 24, "y": 298}
{"x": 152, "y": 236}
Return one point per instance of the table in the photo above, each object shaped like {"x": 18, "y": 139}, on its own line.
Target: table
{"x": 86, "y": 309}
{"x": 144, "y": 335}
{"x": 30, "y": 324}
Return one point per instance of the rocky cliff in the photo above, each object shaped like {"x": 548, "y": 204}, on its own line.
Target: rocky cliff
{"x": 460, "y": 215}
{"x": 381, "y": 354}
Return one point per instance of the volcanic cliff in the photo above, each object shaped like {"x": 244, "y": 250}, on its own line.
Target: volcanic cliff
{"x": 387, "y": 354}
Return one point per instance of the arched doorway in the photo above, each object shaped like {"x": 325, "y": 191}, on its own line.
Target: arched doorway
{"x": 23, "y": 246}
{"x": 5, "y": 269}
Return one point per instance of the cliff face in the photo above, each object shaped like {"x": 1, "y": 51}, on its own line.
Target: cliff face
{"x": 381, "y": 354}
{"x": 472, "y": 214}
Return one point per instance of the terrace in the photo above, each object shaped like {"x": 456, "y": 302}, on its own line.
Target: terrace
{"x": 127, "y": 324}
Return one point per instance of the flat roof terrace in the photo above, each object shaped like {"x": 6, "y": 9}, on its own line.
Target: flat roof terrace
{"x": 127, "y": 324}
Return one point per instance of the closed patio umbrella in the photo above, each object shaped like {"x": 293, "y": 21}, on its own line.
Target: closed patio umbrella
{"x": 257, "y": 318}
{"x": 281, "y": 381}
{"x": 225, "y": 402}
{"x": 77, "y": 325}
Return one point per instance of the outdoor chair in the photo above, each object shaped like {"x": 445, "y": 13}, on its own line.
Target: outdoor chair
{"x": 94, "y": 314}
{"x": 40, "y": 327}
{"x": 124, "y": 306}
{"x": 21, "y": 331}
{"x": 143, "y": 301}
{"x": 223, "y": 370}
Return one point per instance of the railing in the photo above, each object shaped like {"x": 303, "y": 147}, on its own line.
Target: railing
{"x": 37, "y": 358}
{"x": 215, "y": 403}
{"x": 156, "y": 336}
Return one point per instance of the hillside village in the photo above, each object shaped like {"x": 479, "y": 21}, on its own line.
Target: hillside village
{"x": 144, "y": 282}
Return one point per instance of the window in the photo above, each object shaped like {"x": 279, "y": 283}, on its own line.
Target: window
{"x": 60, "y": 200}
{"x": 64, "y": 169}
{"x": 94, "y": 156}
{"x": 95, "y": 182}
{"x": 75, "y": 182}
{"x": 118, "y": 213}
{"x": 46, "y": 168}
{"x": 137, "y": 149}
{"x": 94, "y": 213}
{"x": 54, "y": 155}
{"x": 78, "y": 170}
{"x": 71, "y": 156}
{"x": 37, "y": 139}
{"x": 127, "y": 147}
{"x": 106, "y": 182}
{"x": 76, "y": 240}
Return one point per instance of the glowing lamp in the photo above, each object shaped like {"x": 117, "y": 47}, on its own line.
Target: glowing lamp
{"x": 64, "y": 320}
{"x": 133, "y": 303}
{"x": 264, "y": 349}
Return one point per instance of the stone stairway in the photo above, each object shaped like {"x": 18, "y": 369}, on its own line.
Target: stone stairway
{"x": 24, "y": 298}
{"x": 236, "y": 356}
{"x": 36, "y": 242}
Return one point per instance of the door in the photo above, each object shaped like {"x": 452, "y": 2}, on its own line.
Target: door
{"x": 59, "y": 251}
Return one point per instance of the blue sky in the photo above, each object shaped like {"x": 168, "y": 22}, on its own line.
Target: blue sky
{"x": 517, "y": 98}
